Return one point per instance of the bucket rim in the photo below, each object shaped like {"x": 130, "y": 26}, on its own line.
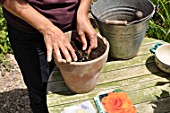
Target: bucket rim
{"x": 128, "y": 23}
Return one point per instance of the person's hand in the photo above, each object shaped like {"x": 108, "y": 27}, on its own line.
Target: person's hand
{"x": 55, "y": 40}
{"x": 86, "y": 30}
{"x": 58, "y": 43}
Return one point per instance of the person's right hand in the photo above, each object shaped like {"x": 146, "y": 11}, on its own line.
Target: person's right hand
{"x": 58, "y": 43}
{"x": 55, "y": 40}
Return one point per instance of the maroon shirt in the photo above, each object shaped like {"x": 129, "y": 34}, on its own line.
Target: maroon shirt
{"x": 61, "y": 12}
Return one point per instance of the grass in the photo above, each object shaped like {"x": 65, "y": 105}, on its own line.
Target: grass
{"x": 159, "y": 26}
{"x": 4, "y": 43}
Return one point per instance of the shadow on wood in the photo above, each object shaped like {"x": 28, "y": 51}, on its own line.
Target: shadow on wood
{"x": 162, "y": 104}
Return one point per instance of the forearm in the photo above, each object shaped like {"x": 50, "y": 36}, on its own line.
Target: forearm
{"x": 26, "y": 12}
{"x": 84, "y": 7}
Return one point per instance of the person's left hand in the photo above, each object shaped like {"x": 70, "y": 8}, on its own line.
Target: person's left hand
{"x": 85, "y": 30}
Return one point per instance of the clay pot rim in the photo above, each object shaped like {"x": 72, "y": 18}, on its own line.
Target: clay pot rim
{"x": 97, "y": 59}
{"x": 94, "y": 60}
{"x": 91, "y": 61}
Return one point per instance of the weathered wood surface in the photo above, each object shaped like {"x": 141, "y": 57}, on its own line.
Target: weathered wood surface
{"x": 147, "y": 86}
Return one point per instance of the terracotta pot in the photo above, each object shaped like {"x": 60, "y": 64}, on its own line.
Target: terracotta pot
{"x": 81, "y": 77}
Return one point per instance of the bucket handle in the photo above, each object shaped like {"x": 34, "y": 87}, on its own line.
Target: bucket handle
{"x": 121, "y": 22}
{"x": 116, "y": 22}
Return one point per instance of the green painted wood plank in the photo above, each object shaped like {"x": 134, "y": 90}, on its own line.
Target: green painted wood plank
{"x": 111, "y": 66}
{"x": 143, "y": 56}
{"x": 137, "y": 96}
{"x": 128, "y": 72}
{"x": 60, "y": 86}
{"x": 147, "y": 40}
{"x": 135, "y": 83}
{"x": 145, "y": 48}
{"x": 149, "y": 94}
{"x": 127, "y": 85}
{"x": 121, "y": 74}
{"x": 139, "y": 60}
{"x": 157, "y": 106}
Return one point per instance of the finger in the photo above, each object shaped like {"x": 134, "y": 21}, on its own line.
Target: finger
{"x": 49, "y": 53}
{"x": 72, "y": 52}
{"x": 95, "y": 39}
{"x": 78, "y": 39}
{"x": 90, "y": 49}
{"x": 83, "y": 41}
{"x": 57, "y": 55}
{"x": 93, "y": 43}
{"x": 66, "y": 53}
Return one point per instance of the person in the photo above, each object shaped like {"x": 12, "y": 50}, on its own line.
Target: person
{"x": 36, "y": 32}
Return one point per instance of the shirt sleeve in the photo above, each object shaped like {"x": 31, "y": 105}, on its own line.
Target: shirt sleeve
{"x": 2, "y": 1}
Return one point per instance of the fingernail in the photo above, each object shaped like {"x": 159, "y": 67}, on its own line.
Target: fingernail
{"x": 48, "y": 59}
{"x": 69, "y": 60}
{"x": 84, "y": 48}
{"x": 59, "y": 59}
{"x": 75, "y": 59}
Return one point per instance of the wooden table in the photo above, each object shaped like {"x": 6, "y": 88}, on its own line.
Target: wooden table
{"x": 147, "y": 86}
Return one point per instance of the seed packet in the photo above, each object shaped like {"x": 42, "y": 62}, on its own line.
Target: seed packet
{"x": 116, "y": 101}
{"x": 84, "y": 107}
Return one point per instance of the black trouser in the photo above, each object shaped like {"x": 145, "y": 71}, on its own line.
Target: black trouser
{"x": 30, "y": 53}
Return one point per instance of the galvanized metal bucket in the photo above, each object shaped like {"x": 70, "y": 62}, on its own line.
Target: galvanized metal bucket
{"x": 117, "y": 22}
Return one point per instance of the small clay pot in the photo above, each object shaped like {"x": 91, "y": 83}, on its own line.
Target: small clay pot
{"x": 81, "y": 77}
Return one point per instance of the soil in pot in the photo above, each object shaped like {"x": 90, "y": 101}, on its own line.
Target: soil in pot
{"x": 83, "y": 56}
